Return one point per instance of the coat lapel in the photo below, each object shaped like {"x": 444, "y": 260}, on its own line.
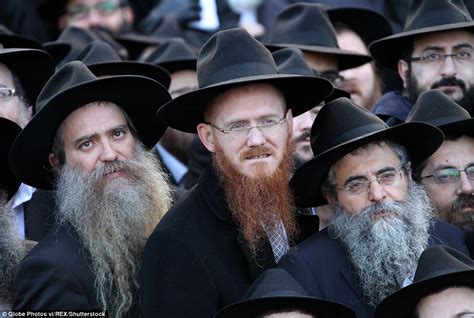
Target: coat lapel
{"x": 260, "y": 262}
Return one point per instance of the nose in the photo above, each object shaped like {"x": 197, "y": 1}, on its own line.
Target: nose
{"x": 93, "y": 18}
{"x": 465, "y": 186}
{"x": 108, "y": 153}
{"x": 255, "y": 137}
{"x": 304, "y": 121}
{"x": 448, "y": 67}
{"x": 377, "y": 192}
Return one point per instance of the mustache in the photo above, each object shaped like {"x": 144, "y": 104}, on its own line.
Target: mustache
{"x": 449, "y": 81}
{"x": 303, "y": 137}
{"x": 262, "y": 150}
{"x": 463, "y": 201}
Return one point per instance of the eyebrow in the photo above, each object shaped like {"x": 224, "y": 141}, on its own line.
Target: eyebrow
{"x": 465, "y": 312}
{"x": 439, "y": 48}
{"x": 439, "y": 167}
{"x": 81, "y": 139}
{"x": 357, "y": 177}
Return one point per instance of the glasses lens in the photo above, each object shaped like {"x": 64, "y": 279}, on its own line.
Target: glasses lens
{"x": 357, "y": 187}
{"x": 77, "y": 10}
{"x": 387, "y": 178}
{"x": 6, "y": 93}
{"x": 106, "y": 7}
{"x": 447, "y": 175}
{"x": 470, "y": 172}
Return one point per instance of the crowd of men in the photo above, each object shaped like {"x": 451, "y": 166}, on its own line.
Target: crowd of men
{"x": 318, "y": 166}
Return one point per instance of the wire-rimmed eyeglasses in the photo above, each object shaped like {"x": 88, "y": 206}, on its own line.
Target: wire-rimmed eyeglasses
{"x": 438, "y": 58}
{"x": 6, "y": 93}
{"x": 450, "y": 175}
{"x": 361, "y": 186}
{"x": 103, "y": 8}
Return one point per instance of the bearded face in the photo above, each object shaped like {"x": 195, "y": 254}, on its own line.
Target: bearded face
{"x": 255, "y": 201}
{"x": 385, "y": 240}
{"x": 113, "y": 217}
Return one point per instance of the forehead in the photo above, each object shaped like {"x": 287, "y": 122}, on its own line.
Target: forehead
{"x": 92, "y": 119}
{"x": 5, "y": 75}
{"x": 246, "y": 102}
{"x": 366, "y": 160}
{"x": 445, "y": 39}
{"x": 348, "y": 39}
{"x": 453, "y": 152}
{"x": 321, "y": 62}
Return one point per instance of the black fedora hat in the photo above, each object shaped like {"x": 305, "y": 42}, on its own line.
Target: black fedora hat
{"x": 368, "y": 24}
{"x": 8, "y": 39}
{"x": 291, "y": 61}
{"x": 342, "y": 126}
{"x": 103, "y": 60}
{"x": 439, "y": 266}
{"x": 9, "y": 130}
{"x": 275, "y": 289}
{"x": 70, "y": 88}
{"x": 233, "y": 58}
{"x": 174, "y": 55}
{"x": 436, "y": 108}
{"x": 307, "y": 26}
{"x": 424, "y": 16}
{"x": 33, "y": 67}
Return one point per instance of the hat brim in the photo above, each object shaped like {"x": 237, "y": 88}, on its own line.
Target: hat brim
{"x": 345, "y": 59}
{"x": 368, "y": 24}
{"x": 461, "y": 127}
{"x": 136, "y": 43}
{"x": 29, "y": 155}
{"x": 12, "y": 41}
{"x": 8, "y": 130}
{"x": 302, "y": 93}
{"x": 388, "y": 51}
{"x": 152, "y": 71}
{"x": 178, "y": 65}
{"x": 420, "y": 139}
{"x": 33, "y": 68}
{"x": 58, "y": 50}
{"x": 254, "y": 307}
{"x": 402, "y": 303}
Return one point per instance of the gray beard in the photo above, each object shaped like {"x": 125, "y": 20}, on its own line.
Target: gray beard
{"x": 113, "y": 220}
{"x": 385, "y": 251}
{"x": 12, "y": 249}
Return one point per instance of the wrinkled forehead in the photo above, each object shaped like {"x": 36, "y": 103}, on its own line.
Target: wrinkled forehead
{"x": 246, "y": 101}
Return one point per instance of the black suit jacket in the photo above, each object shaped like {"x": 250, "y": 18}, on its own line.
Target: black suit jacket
{"x": 320, "y": 265}
{"x": 39, "y": 214}
{"x": 56, "y": 275}
{"x": 196, "y": 261}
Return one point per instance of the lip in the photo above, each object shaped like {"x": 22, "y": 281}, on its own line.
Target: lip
{"x": 114, "y": 175}
{"x": 259, "y": 157}
{"x": 383, "y": 215}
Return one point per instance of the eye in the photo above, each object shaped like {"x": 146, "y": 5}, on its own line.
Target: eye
{"x": 237, "y": 126}
{"x": 432, "y": 56}
{"x": 464, "y": 54}
{"x": 387, "y": 177}
{"x": 269, "y": 122}
{"x": 447, "y": 175}
{"x": 355, "y": 186}
{"x": 470, "y": 172}
{"x": 85, "y": 145}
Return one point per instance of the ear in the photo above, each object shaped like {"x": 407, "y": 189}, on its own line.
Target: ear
{"x": 403, "y": 72}
{"x": 289, "y": 120}
{"x": 329, "y": 197}
{"x": 128, "y": 15}
{"x": 206, "y": 135}
{"x": 53, "y": 160}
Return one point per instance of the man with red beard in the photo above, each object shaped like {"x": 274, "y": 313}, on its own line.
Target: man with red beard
{"x": 239, "y": 218}
{"x": 382, "y": 219}
{"x": 94, "y": 134}
{"x": 435, "y": 51}
{"x": 448, "y": 174}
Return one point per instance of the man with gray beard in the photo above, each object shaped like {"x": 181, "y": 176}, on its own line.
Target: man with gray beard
{"x": 383, "y": 220}
{"x": 110, "y": 190}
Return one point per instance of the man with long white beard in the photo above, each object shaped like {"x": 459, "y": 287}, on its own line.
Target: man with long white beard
{"x": 110, "y": 190}
{"x": 383, "y": 220}
{"x": 239, "y": 219}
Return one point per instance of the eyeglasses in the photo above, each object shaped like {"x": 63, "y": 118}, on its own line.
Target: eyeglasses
{"x": 103, "y": 8}
{"x": 359, "y": 187}
{"x": 438, "y": 58}
{"x": 6, "y": 94}
{"x": 267, "y": 126}
{"x": 333, "y": 76}
{"x": 451, "y": 175}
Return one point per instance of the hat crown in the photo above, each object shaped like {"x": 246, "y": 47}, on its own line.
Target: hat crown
{"x": 341, "y": 121}
{"x": 291, "y": 61}
{"x": 441, "y": 260}
{"x": 168, "y": 28}
{"x": 275, "y": 282}
{"x": 98, "y": 52}
{"x": 304, "y": 24}
{"x": 233, "y": 54}
{"x": 69, "y": 75}
{"x": 429, "y": 13}
{"x": 171, "y": 50}
{"x": 436, "y": 108}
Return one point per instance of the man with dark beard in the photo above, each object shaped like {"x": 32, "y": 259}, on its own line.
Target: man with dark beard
{"x": 110, "y": 190}
{"x": 448, "y": 174}
{"x": 239, "y": 218}
{"x": 435, "y": 51}
{"x": 383, "y": 220}
{"x": 12, "y": 249}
